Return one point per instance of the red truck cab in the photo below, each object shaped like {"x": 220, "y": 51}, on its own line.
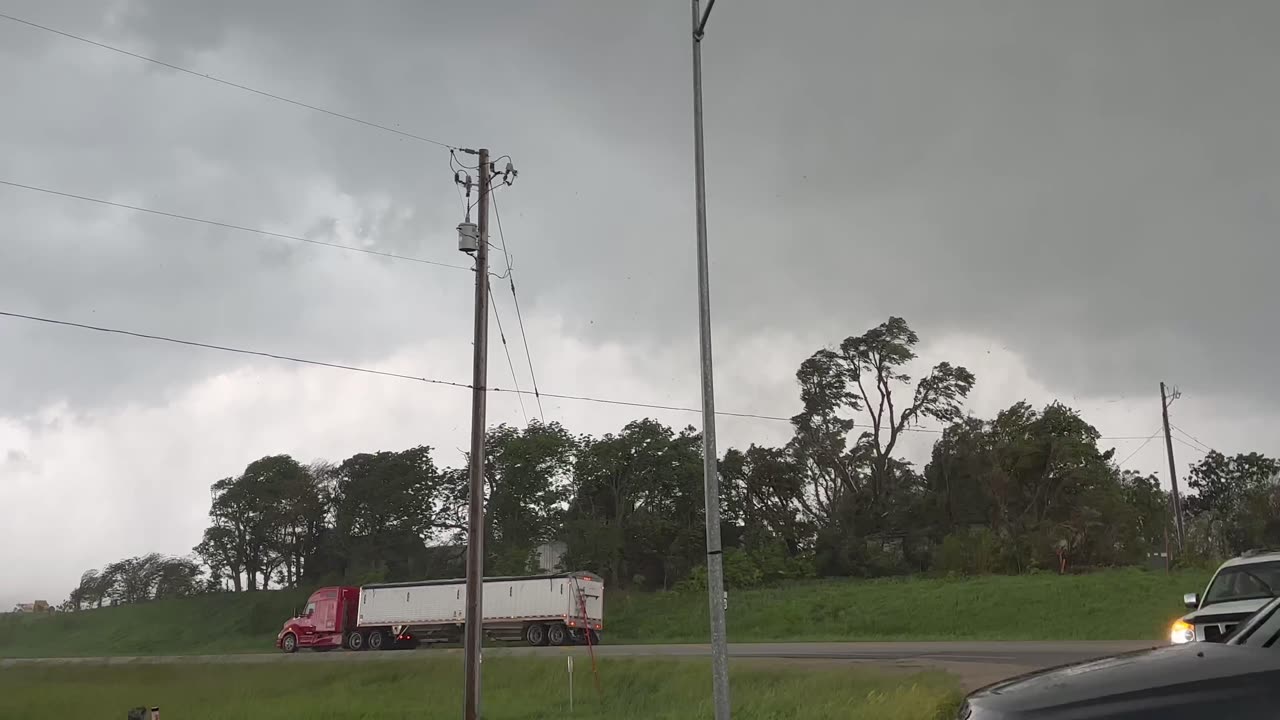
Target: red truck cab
{"x": 329, "y": 614}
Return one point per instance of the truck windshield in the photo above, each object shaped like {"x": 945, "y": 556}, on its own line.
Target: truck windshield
{"x": 1244, "y": 582}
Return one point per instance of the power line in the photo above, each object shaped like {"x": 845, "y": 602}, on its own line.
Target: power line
{"x": 1193, "y": 437}
{"x": 1193, "y": 447}
{"x": 232, "y": 226}
{"x": 225, "y": 348}
{"x": 510, "y": 364}
{"x": 228, "y": 83}
{"x": 353, "y": 368}
{"x": 434, "y": 381}
{"x": 516, "y": 301}
{"x": 1144, "y": 444}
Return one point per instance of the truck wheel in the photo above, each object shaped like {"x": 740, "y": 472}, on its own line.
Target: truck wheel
{"x": 558, "y": 634}
{"x": 536, "y": 635}
{"x": 376, "y": 640}
{"x": 355, "y": 640}
{"x": 289, "y": 644}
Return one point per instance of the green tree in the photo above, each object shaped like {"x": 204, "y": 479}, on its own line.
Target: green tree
{"x": 860, "y": 378}
{"x": 763, "y": 494}
{"x": 864, "y": 501}
{"x": 1238, "y": 497}
{"x": 528, "y": 474}
{"x": 221, "y": 554}
{"x": 636, "y": 513}
{"x": 1044, "y": 487}
{"x": 262, "y": 520}
{"x": 386, "y": 507}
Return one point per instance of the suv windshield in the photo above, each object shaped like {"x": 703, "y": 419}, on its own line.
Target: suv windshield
{"x": 1261, "y": 630}
{"x": 1244, "y": 582}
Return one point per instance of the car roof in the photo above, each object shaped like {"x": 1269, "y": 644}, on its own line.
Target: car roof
{"x": 1271, "y": 556}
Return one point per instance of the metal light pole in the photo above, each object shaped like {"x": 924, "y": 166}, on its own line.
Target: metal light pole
{"x": 473, "y": 634}
{"x": 710, "y": 471}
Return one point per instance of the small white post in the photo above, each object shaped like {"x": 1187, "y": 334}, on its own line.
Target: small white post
{"x": 570, "y": 659}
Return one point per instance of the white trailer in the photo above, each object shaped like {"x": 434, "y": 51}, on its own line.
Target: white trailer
{"x": 561, "y": 609}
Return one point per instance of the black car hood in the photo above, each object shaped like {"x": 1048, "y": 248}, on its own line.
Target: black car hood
{"x": 1148, "y": 679}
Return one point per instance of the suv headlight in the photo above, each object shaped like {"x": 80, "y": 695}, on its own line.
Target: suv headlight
{"x": 1182, "y": 632}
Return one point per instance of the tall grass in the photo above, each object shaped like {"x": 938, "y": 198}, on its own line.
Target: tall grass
{"x": 514, "y": 688}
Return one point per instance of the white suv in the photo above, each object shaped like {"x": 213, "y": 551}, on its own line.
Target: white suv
{"x": 1238, "y": 589}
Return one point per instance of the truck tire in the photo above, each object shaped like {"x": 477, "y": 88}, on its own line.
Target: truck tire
{"x": 376, "y": 639}
{"x": 289, "y": 644}
{"x": 557, "y": 634}
{"x": 536, "y": 635}
{"x": 355, "y": 640}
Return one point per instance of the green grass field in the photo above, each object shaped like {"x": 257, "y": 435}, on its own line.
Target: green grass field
{"x": 1112, "y": 605}
{"x": 429, "y": 688}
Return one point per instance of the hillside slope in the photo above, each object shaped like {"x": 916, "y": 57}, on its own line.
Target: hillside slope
{"x": 1112, "y": 605}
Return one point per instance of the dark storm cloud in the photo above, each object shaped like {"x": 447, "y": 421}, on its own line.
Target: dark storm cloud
{"x": 1092, "y": 184}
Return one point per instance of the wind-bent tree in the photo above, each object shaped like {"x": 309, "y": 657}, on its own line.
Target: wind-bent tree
{"x": 862, "y": 383}
{"x": 1238, "y": 498}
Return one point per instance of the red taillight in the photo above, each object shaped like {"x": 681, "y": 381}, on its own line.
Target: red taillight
{"x": 587, "y": 578}
{"x": 572, "y": 623}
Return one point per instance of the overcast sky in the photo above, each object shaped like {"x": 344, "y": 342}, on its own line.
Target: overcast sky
{"x": 1075, "y": 200}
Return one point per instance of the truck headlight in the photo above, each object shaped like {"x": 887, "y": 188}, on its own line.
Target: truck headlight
{"x": 1182, "y": 632}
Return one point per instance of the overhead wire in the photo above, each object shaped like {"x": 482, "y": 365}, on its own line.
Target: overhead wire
{"x": 228, "y": 83}
{"x": 353, "y": 368}
{"x": 510, "y": 364}
{"x": 515, "y": 299}
{"x": 233, "y": 226}
{"x": 437, "y": 381}
{"x": 1139, "y": 448}
{"x": 1177, "y": 439}
{"x": 1193, "y": 438}
{"x": 229, "y": 349}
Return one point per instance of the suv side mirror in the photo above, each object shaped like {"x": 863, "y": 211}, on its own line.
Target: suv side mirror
{"x": 1191, "y": 600}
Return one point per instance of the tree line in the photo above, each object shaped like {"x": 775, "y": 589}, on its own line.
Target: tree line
{"x": 1028, "y": 489}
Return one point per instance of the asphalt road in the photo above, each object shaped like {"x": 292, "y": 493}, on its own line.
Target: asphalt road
{"x": 975, "y": 663}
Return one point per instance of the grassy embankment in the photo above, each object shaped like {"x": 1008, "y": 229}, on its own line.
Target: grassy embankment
{"x": 429, "y": 688}
{"x": 1113, "y": 605}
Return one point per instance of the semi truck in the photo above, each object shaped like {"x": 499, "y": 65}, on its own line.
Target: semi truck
{"x": 559, "y": 609}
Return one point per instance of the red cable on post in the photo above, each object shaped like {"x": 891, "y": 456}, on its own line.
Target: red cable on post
{"x": 586, "y": 622}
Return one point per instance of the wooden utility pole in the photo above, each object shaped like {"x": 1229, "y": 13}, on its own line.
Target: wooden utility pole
{"x": 473, "y": 635}
{"x": 1173, "y": 472}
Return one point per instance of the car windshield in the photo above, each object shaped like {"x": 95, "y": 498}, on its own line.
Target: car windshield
{"x": 1260, "y": 630}
{"x": 1244, "y": 582}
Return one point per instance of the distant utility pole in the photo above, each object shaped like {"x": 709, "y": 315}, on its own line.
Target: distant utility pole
{"x": 710, "y": 469}
{"x": 473, "y": 635}
{"x": 1165, "y": 402}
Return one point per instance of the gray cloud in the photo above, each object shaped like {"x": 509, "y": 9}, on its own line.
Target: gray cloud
{"x": 1090, "y": 184}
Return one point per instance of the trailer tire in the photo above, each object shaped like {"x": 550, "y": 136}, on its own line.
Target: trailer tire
{"x": 557, "y": 634}
{"x": 289, "y": 644}
{"x": 376, "y": 640}
{"x": 355, "y": 640}
{"x": 536, "y": 635}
